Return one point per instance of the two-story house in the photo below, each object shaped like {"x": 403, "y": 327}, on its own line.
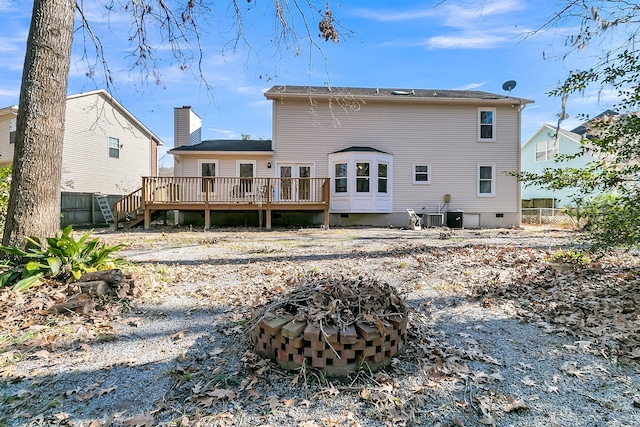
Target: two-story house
{"x": 362, "y": 156}
{"x": 106, "y": 149}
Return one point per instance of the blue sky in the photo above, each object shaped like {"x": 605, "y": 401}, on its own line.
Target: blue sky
{"x": 407, "y": 44}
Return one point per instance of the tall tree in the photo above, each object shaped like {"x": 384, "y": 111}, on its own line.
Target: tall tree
{"x": 34, "y": 203}
{"x": 34, "y": 200}
{"x": 614, "y": 142}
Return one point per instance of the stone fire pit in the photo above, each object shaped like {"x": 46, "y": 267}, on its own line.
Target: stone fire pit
{"x": 334, "y": 324}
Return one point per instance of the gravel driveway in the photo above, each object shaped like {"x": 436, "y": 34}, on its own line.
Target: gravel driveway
{"x": 492, "y": 338}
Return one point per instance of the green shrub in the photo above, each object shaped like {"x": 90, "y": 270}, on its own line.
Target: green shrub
{"x": 570, "y": 256}
{"x": 62, "y": 258}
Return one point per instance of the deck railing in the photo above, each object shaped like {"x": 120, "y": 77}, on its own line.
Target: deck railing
{"x": 127, "y": 205}
{"x": 225, "y": 190}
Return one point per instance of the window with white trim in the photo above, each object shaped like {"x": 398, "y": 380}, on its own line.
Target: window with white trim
{"x": 114, "y": 148}
{"x": 486, "y": 124}
{"x": 245, "y": 169}
{"x": 486, "y": 179}
{"x": 340, "y": 177}
{"x": 546, "y": 150}
{"x": 12, "y": 131}
{"x": 422, "y": 173}
{"x": 362, "y": 177}
{"x": 383, "y": 177}
{"x": 208, "y": 168}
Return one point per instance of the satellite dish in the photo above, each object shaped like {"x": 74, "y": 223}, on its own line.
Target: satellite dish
{"x": 508, "y": 86}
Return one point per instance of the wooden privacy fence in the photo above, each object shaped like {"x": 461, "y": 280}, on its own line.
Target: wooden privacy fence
{"x": 82, "y": 209}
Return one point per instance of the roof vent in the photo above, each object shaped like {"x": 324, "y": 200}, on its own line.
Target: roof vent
{"x": 399, "y": 92}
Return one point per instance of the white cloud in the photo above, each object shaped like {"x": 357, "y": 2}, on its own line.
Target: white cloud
{"x": 471, "y": 86}
{"x": 222, "y": 131}
{"x": 461, "y": 25}
{"x": 465, "y": 41}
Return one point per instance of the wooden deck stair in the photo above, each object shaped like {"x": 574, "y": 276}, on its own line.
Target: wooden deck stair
{"x": 129, "y": 211}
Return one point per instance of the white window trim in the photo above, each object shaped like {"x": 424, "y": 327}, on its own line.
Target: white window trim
{"x": 334, "y": 177}
{"x": 546, "y": 151}
{"x": 215, "y": 162}
{"x": 413, "y": 173}
{"x": 111, "y": 138}
{"x": 243, "y": 162}
{"x": 371, "y": 164}
{"x": 493, "y": 124}
{"x": 493, "y": 180}
{"x": 378, "y": 177}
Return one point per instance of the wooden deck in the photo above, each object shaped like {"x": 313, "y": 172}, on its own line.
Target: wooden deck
{"x": 223, "y": 194}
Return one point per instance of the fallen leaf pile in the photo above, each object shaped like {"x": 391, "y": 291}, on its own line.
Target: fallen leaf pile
{"x": 336, "y": 300}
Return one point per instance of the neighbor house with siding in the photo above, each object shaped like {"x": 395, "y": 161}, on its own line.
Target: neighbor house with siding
{"x": 106, "y": 150}
{"x": 370, "y": 153}
{"x": 540, "y": 152}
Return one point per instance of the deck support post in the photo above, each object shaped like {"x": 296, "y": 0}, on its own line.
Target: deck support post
{"x": 147, "y": 218}
{"x": 268, "y": 218}
{"x": 326, "y": 219}
{"x": 207, "y": 219}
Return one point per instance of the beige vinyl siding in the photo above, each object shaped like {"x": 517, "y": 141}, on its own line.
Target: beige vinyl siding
{"x": 444, "y": 135}
{"x": 226, "y": 164}
{"x": 86, "y": 166}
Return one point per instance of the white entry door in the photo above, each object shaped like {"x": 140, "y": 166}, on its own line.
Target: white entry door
{"x": 294, "y": 184}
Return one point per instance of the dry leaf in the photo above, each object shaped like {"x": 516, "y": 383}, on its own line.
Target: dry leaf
{"x": 517, "y": 405}
{"x": 221, "y": 393}
{"x": 142, "y": 420}
{"x": 179, "y": 335}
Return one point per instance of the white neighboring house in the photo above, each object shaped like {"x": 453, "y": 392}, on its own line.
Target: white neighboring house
{"x": 384, "y": 151}
{"x": 106, "y": 149}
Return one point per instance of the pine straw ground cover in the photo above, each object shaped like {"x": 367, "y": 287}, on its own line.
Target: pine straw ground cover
{"x": 496, "y": 336}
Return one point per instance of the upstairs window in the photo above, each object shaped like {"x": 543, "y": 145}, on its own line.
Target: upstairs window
{"x": 546, "y": 150}
{"x": 486, "y": 124}
{"x": 383, "y": 177}
{"x": 422, "y": 173}
{"x": 362, "y": 177}
{"x": 114, "y": 148}
{"x": 341, "y": 177}
{"x": 12, "y": 131}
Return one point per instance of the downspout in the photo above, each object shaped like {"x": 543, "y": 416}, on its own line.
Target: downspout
{"x": 519, "y": 107}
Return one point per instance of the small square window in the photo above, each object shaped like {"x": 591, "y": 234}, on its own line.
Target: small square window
{"x": 114, "y": 148}
{"x": 422, "y": 173}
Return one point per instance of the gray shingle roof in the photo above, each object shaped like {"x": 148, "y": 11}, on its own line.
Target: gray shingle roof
{"x": 218, "y": 145}
{"x": 276, "y": 91}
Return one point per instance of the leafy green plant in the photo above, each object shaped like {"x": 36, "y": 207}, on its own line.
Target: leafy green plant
{"x": 61, "y": 258}
{"x": 570, "y": 256}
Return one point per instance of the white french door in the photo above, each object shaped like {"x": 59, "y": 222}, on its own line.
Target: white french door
{"x": 294, "y": 184}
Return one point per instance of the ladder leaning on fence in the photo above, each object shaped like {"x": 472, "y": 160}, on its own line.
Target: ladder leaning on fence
{"x": 103, "y": 203}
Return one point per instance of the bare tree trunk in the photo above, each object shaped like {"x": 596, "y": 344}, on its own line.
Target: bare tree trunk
{"x": 34, "y": 201}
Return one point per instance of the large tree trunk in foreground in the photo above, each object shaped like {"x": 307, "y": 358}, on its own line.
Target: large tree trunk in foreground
{"x": 34, "y": 201}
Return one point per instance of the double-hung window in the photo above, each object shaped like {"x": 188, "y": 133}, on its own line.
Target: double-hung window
{"x": 486, "y": 179}
{"x": 114, "y": 148}
{"x": 546, "y": 150}
{"x": 340, "y": 177}
{"x": 12, "y": 131}
{"x": 486, "y": 124}
{"x": 422, "y": 173}
{"x": 362, "y": 177}
{"x": 383, "y": 177}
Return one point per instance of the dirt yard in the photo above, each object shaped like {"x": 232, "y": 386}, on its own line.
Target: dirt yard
{"x": 496, "y": 335}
